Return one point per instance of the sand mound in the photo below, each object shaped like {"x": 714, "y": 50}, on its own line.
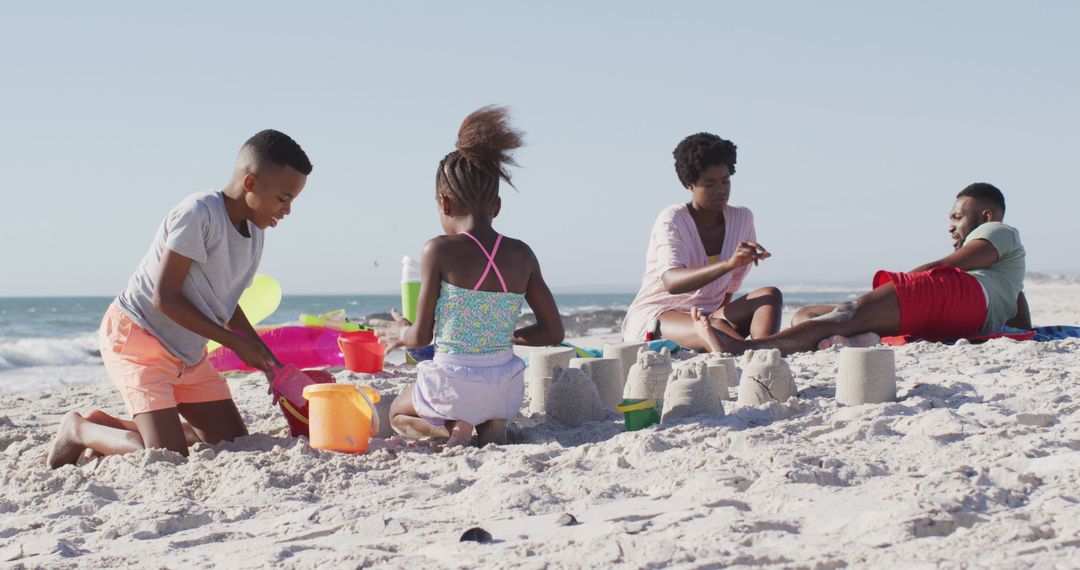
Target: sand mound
{"x": 977, "y": 462}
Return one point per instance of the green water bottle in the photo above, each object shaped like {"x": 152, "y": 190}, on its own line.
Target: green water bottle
{"x": 410, "y": 287}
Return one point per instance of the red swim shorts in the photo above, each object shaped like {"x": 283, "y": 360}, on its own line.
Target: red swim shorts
{"x": 942, "y": 304}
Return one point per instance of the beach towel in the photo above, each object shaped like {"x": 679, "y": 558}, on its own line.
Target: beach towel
{"x": 1053, "y": 332}
{"x": 1041, "y": 334}
{"x": 652, "y": 345}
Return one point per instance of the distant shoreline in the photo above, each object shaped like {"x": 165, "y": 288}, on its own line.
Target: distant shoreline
{"x": 1032, "y": 278}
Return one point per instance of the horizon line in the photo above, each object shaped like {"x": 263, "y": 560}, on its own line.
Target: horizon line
{"x": 611, "y": 289}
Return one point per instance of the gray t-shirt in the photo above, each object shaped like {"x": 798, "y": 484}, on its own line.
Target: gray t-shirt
{"x": 223, "y": 265}
{"x": 1004, "y": 279}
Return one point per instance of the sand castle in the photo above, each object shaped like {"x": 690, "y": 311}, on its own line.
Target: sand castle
{"x": 866, "y": 376}
{"x": 625, "y": 352}
{"x": 766, "y": 377}
{"x": 724, "y": 373}
{"x": 692, "y": 391}
{"x": 721, "y": 368}
{"x": 648, "y": 376}
{"x": 606, "y": 373}
{"x": 538, "y": 375}
{"x": 572, "y": 398}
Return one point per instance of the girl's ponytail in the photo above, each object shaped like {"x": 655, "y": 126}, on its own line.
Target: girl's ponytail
{"x": 485, "y": 142}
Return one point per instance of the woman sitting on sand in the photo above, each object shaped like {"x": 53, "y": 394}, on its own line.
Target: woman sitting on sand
{"x": 699, "y": 253}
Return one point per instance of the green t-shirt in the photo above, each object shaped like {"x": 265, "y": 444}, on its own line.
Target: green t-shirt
{"x": 1004, "y": 279}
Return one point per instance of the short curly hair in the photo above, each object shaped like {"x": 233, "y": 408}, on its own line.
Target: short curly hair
{"x": 278, "y": 148}
{"x": 986, "y": 193}
{"x": 698, "y": 152}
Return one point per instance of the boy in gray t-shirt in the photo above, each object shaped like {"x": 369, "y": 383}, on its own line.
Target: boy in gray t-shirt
{"x": 186, "y": 290}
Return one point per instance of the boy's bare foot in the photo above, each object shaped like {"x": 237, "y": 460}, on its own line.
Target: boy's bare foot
{"x": 861, "y": 340}
{"x": 66, "y": 448}
{"x": 460, "y": 434}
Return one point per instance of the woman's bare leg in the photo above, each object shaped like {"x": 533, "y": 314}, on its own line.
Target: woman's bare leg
{"x": 756, "y": 315}
{"x": 877, "y": 311}
{"x": 678, "y": 326}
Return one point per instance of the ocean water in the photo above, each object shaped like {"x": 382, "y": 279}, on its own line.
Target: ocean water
{"x": 50, "y": 342}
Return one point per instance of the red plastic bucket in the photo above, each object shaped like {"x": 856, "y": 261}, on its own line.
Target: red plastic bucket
{"x": 362, "y": 351}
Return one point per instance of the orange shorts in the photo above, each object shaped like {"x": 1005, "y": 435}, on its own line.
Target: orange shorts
{"x": 148, "y": 376}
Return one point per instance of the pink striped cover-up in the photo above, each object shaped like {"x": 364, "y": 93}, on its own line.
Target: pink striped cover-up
{"x": 674, "y": 244}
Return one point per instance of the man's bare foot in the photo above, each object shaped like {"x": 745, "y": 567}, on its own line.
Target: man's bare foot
{"x": 861, "y": 340}
{"x": 66, "y": 448}
{"x": 460, "y": 434}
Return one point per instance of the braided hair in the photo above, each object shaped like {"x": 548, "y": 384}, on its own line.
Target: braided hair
{"x": 470, "y": 175}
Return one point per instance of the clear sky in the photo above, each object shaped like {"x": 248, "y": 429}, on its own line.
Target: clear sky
{"x": 856, "y": 122}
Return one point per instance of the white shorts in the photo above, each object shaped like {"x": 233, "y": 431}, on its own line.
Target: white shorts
{"x": 470, "y": 387}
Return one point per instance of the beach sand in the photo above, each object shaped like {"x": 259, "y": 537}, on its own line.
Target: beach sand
{"x": 977, "y": 463}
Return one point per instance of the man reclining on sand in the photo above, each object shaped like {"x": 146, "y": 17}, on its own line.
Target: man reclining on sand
{"x": 974, "y": 290}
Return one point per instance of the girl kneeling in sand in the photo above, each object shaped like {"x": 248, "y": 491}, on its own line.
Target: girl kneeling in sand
{"x": 473, "y": 282}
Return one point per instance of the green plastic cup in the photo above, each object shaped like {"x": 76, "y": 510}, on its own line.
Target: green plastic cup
{"x": 638, "y": 413}
{"x": 410, "y": 297}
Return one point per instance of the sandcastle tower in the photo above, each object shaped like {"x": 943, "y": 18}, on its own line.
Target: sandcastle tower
{"x": 572, "y": 398}
{"x": 626, "y": 353}
{"x": 724, "y": 373}
{"x": 692, "y": 391}
{"x": 606, "y": 373}
{"x": 648, "y": 377}
{"x": 538, "y": 375}
{"x": 766, "y": 377}
{"x": 866, "y": 376}
{"x": 720, "y": 368}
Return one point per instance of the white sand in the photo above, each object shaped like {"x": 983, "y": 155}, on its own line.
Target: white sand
{"x": 977, "y": 463}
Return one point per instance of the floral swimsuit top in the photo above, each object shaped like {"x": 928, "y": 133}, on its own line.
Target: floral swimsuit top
{"x": 470, "y": 321}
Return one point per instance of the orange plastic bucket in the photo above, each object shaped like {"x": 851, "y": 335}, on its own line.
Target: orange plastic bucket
{"x": 362, "y": 351}
{"x": 341, "y": 417}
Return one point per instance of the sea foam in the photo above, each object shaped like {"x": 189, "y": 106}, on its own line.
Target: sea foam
{"x": 28, "y": 352}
